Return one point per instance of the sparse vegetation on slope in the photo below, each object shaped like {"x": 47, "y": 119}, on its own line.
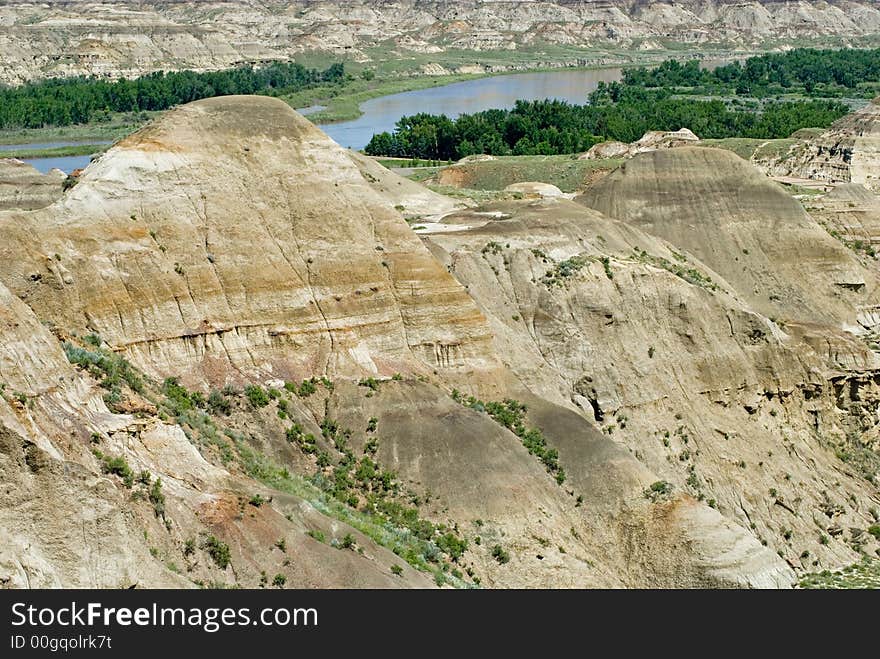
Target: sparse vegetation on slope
{"x": 681, "y": 269}
{"x": 862, "y": 575}
{"x": 511, "y": 414}
{"x": 354, "y": 490}
{"x": 108, "y": 368}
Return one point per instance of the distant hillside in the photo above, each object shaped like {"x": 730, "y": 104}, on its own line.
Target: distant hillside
{"x": 129, "y": 38}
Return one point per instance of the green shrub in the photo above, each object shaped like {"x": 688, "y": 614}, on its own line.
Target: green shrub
{"x": 511, "y": 414}
{"x": 491, "y": 247}
{"x": 256, "y": 395}
{"x": 370, "y": 383}
{"x": 452, "y": 545}
{"x": 657, "y": 490}
{"x": 157, "y": 498}
{"x": 690, "y": 275}
{"x": 218, "y": 551}
{"x": 563, "y": 270}
{"x": 117, "y": 466}
{"x": 111, "y": 370}
{"x": 306, "y": 388}
{"x": 179, "y": 399}
{"x": 218, "y": 403}
{"x": 500, "y": 555}
{"x": 279, "y": 580}
{"x": 305, "y": 441}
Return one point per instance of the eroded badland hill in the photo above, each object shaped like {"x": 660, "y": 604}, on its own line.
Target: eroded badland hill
{"x": 75, "y": 37}
{"x": 227, "y": 358}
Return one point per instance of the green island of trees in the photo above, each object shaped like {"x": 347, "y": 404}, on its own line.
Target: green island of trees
{"x": 751, "y": 99}
{"x": 82, "y": 100}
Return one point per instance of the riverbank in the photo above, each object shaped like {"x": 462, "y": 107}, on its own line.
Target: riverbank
{"x": 384, "y": 77}
{"x": 416, "y": 74}
{"x": 344, "y": 104}
{"x": 342, "y": 101}
{"x": 119, "y": 126}
{"x": 56, "y": 152}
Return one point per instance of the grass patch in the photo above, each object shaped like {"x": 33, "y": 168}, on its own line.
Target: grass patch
{"x": 862, "y": 575}
{"x": 511, "y": 414}
{"x": 682, "y": 270}
{"x": 566, "y": 172}
{"x": 56, "y": 152}
{"x": 423, "y": 554}
{"x": 109, "y": 369}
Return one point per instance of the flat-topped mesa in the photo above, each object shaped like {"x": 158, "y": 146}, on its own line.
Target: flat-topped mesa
{"x": 231, "y": 238}
{"x": 745, "y": 227}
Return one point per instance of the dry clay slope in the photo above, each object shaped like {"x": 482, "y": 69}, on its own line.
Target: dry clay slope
{"x": 22, "y": 186}
{"x": 720, "y": 208}
{"x": 232, "y": 242}
{"x": 68, "y": 523}
{"x": 231, "y": 233}
{"x": 79, "y": 37}
{"x": 667, "y": 358}
{"x": 852, "y": 211}
{"x": 848, "y": 152}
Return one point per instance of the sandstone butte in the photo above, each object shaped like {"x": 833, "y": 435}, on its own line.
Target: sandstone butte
{"x": 688, "y": 341}
{"x": 126, "y": 38}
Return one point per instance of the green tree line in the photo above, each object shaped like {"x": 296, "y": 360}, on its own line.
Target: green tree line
{"x": 614, "y": 112}
{"x": 82, "y": 100}
{"x": 814, "y": 72}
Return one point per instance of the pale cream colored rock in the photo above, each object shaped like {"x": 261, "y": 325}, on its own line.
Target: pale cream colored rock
{"x": 748, "y": 229}
{"x": 602, "y": 150}
{"x": 650, "y": 141}
{"x": 190, "y": 264}
{"x": 848, "y": 152}
{"x": 534, "y": 189}
{"x": 195, "y": 247}
{"x": 23, "y": 187}
{"x": 127, "y": 38}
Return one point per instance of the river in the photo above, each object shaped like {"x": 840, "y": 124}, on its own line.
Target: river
{"x": 380, "y": 114}
{"x": 65, "y": 163}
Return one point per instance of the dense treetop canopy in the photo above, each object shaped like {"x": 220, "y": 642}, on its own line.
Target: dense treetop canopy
{"x": 741, "y": 99}
{"x": 615, "y": 112}
{"x": 68, "y": 101}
